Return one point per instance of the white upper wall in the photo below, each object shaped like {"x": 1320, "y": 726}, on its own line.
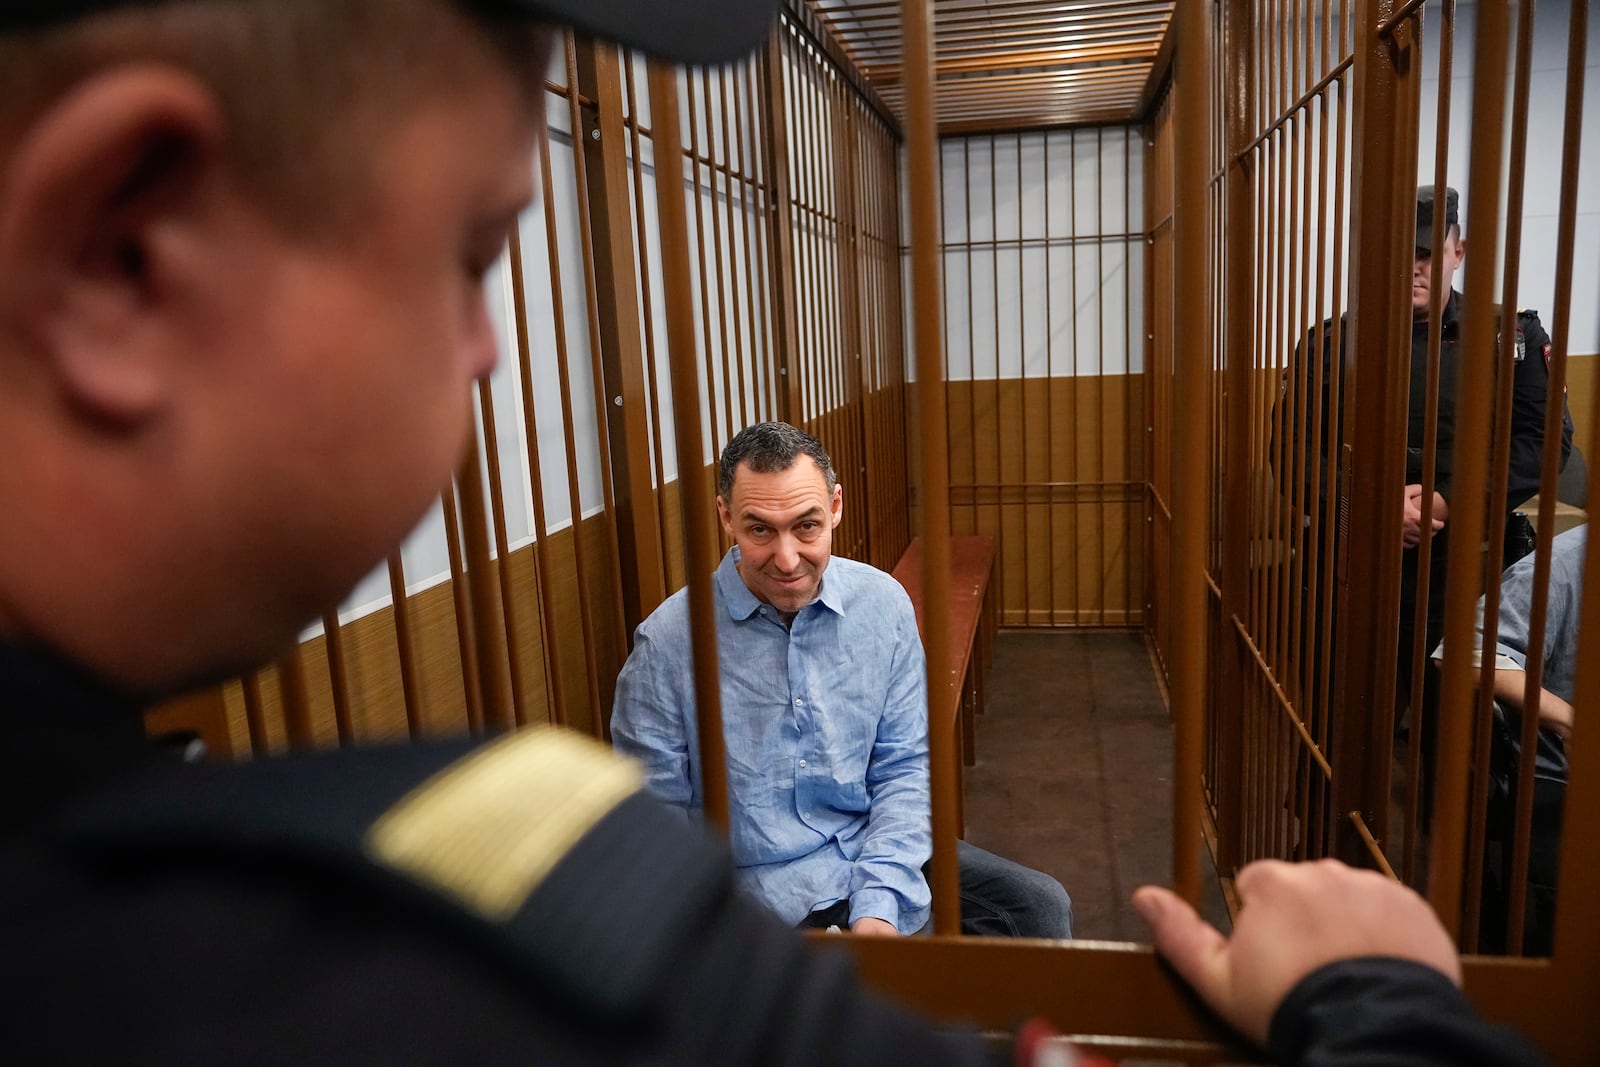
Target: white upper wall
{"x": 1541, "y": 165}
{"x": 1044, "y": 252}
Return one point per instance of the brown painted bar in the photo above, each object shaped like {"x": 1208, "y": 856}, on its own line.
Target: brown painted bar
{"x": 1371, "y": 460}
{"x": 489, "y": 636}
{"x": 620, "y": 336}
{"x": 338, "y": 679}
{"x": 922, "y": 152}
{"x": 544, "y": 577}
{"x": 700, "y": 553}
{"x": 586, "y": 611}
{"x": 1469, "y": 512}
{"x": 462, "y": 602}
{"x": 1577, "y": 37}
{"x": 1192, "y": 307}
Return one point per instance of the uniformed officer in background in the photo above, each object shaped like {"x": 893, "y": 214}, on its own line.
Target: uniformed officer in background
{"x": 1526, "y": 353}
{"x": 241, "y": 252}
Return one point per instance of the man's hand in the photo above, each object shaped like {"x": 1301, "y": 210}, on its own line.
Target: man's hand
{"x": 869, "y": 927}
{"x": 1411, "y": 526}
{"x": 1293, "y": 919}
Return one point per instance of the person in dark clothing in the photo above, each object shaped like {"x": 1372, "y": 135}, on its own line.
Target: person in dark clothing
{"x": 241, "y": 253}
{"x": 1526, "y": 357}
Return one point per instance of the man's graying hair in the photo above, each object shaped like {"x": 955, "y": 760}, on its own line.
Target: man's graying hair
{"x": 768, "y": 447}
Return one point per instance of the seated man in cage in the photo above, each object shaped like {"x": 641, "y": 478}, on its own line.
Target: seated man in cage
{"x": 1528, "y": 356}
{"x": 1555, "y": 715}
{"x": 825, "y": 711}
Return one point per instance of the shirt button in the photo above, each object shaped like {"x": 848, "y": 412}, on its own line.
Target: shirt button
{"x": 799, "y": 703}
{"x": 763, "y": 610}
{"x": 802, "y": 763}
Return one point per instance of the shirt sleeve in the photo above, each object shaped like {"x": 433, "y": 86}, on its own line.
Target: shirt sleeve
{"x": 1516, "y": 605}
{"x": 887, "y": 881}
{"x": 1388, "y": 1011}
{"x": 647, "y": 719}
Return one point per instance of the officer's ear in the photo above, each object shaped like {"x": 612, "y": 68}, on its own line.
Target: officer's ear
{"x": 94, "y": 215}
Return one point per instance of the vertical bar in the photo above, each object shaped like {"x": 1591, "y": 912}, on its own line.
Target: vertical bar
{"x": 972, "y": 335}
{"x": 805, "y": 251}
{"x": 404, "y": 646}
{"x": 1469, "y": 510}
{"x": 699, "y": 550}
{"x": 1192, "y": 310}
{"x": 1430, "y": 424}
{"x": 997, "y": 525}
{"x": 548, "y": 642}
{"x": 462, "y": 603}
{"x": 601, "y": 696}
{"x": 1429, "y": 456}
{"x": 255, "y": 715}
{"x": 490, "y": 638}
{"x": 296, "y": 704}
{"x": 701, "y": 269}
{"x": 600, "y": 141}
{"x": 1129, "y": 244}
{"x": 1367, "y": 608}
{"x": 1050, "y": 475}
{"x": 746, "y": 186}
{"x": 1022, "y": 390}
{"x": 716, "y": 255}
{"x": 502, "y": 547}
{"x": 1499, "y": 463}
{"x": 780, "y": 228}
{"x": 922, "y": 148}
{"x": 1577, "y": 40}
{"x": 652, "y": 386}
{"x": 569, "y": 441}
{"x": 1239, "y": 310}
{"x": 338, "y": 679}
{"x": 1076, "y": 383}
{"x": 1101, "y": 489}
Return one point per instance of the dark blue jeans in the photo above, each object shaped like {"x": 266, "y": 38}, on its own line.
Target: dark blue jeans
{"x": 1000, "y": 898}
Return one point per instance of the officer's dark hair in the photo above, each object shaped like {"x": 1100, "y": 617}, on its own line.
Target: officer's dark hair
{"x": 769, "y": 447}
{"x": 307, "y": 86}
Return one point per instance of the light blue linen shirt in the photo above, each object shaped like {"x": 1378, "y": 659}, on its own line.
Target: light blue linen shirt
{"x": 827, "y": 735}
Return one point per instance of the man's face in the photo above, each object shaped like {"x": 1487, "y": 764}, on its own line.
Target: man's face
{"x": 345, "y": 401}
{"x": 783, "y": 524}
{"x": 1450, "y": 255}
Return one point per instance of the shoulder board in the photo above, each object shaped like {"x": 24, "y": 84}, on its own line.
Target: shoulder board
{"x": 542, "y": 841}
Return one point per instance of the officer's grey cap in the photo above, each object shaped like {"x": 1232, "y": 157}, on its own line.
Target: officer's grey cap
{"x": 1426, "y": 199}
{"x": 682, "y": 31}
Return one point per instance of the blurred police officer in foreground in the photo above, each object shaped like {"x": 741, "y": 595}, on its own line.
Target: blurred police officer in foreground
{"x": 241, "y": 248}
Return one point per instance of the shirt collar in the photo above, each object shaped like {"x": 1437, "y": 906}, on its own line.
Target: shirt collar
{"x": 742, "y": 603}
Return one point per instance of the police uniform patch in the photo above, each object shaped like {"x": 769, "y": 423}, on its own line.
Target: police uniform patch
{"x": 488, "y": 829}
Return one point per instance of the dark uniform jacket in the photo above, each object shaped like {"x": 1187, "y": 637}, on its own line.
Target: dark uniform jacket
{"x": 1528, "y": 357}
{"x": 518, "y": 902}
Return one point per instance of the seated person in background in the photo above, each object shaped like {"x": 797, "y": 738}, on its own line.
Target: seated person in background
{"x": 1554, "y": 711}
{"x": 825, "y": 711}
